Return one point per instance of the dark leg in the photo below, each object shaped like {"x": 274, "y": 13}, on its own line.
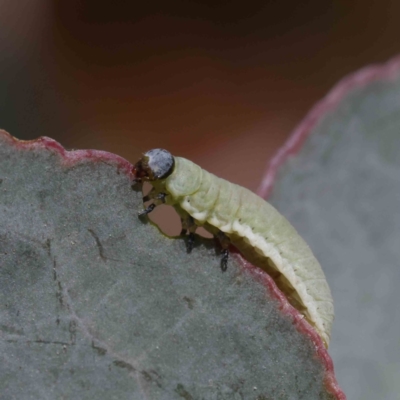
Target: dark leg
{"x": 158, "y": 198}
{"x": 150, "y": 196}
{"x": 161, "y": 197}
{"x": 224, "y": 260}
{"x": 191, "y": 226}
{"x": 184, "y": 226}
{"x": 147, "y": 210}
{"x": 188, "y": 224}
{"x": 225, "y": 243}
{"x": 190, "y": 242}
{"x": 146, "y": 198}
{"x": 153, "y": 195}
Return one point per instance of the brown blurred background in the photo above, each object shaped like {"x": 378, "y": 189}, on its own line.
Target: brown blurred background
{"x": 220, "y": 82}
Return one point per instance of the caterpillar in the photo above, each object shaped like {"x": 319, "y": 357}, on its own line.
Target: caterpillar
{"x": 235, "y": 215}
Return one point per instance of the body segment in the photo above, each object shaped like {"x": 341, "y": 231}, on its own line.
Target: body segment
{"x": 259, "y": 232}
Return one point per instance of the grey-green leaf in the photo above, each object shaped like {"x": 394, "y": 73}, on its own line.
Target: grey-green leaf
{"x": 342, "y": 193}
{"x": 98, "y": 304}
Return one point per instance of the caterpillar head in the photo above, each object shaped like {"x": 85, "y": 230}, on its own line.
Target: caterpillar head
{"x": 155, "y": 164}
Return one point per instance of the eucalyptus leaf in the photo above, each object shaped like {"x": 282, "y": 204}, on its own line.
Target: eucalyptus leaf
{"x": 96, "y": 303}
{"x": 338, "y": 182}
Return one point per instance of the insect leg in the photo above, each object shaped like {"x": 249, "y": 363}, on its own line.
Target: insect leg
{"x": 184, "y": 227}
{"x": 150, "y": 196}
{"x": 225, "y": 243}
{"x": 224, "y": 260}
{"x": 147, "y": 210}
{"x": 192, "y": 229}
{"x": 159, "y": 198}
{"x": 188, "y": 224}
{"x": 190, "y": 242}
{"x": 154, "y": 195}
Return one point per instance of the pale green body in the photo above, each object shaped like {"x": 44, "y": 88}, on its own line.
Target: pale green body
{"x": 259, "y": 231}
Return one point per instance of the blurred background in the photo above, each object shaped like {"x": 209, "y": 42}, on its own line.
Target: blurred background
{"x": 220, "y": 82}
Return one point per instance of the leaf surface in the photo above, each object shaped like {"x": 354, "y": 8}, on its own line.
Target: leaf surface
{"x": 338, "y": 181}
{"x": 96, "y": 303}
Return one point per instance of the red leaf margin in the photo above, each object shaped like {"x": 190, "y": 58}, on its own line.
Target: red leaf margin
{"x": 359, "y": 79}
{"x": 70, "y": 157}
{"x": 378, "y": 72}
{"x": 300, "y": 324}
{"x": 73, "y": 157}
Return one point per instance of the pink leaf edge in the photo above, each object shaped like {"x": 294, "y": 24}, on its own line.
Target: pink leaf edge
{"x": 73, "y": 157}
{"x": 387, "y": 71}
{"x": 299, "y": 322}
{"x": 70, "y": 157}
